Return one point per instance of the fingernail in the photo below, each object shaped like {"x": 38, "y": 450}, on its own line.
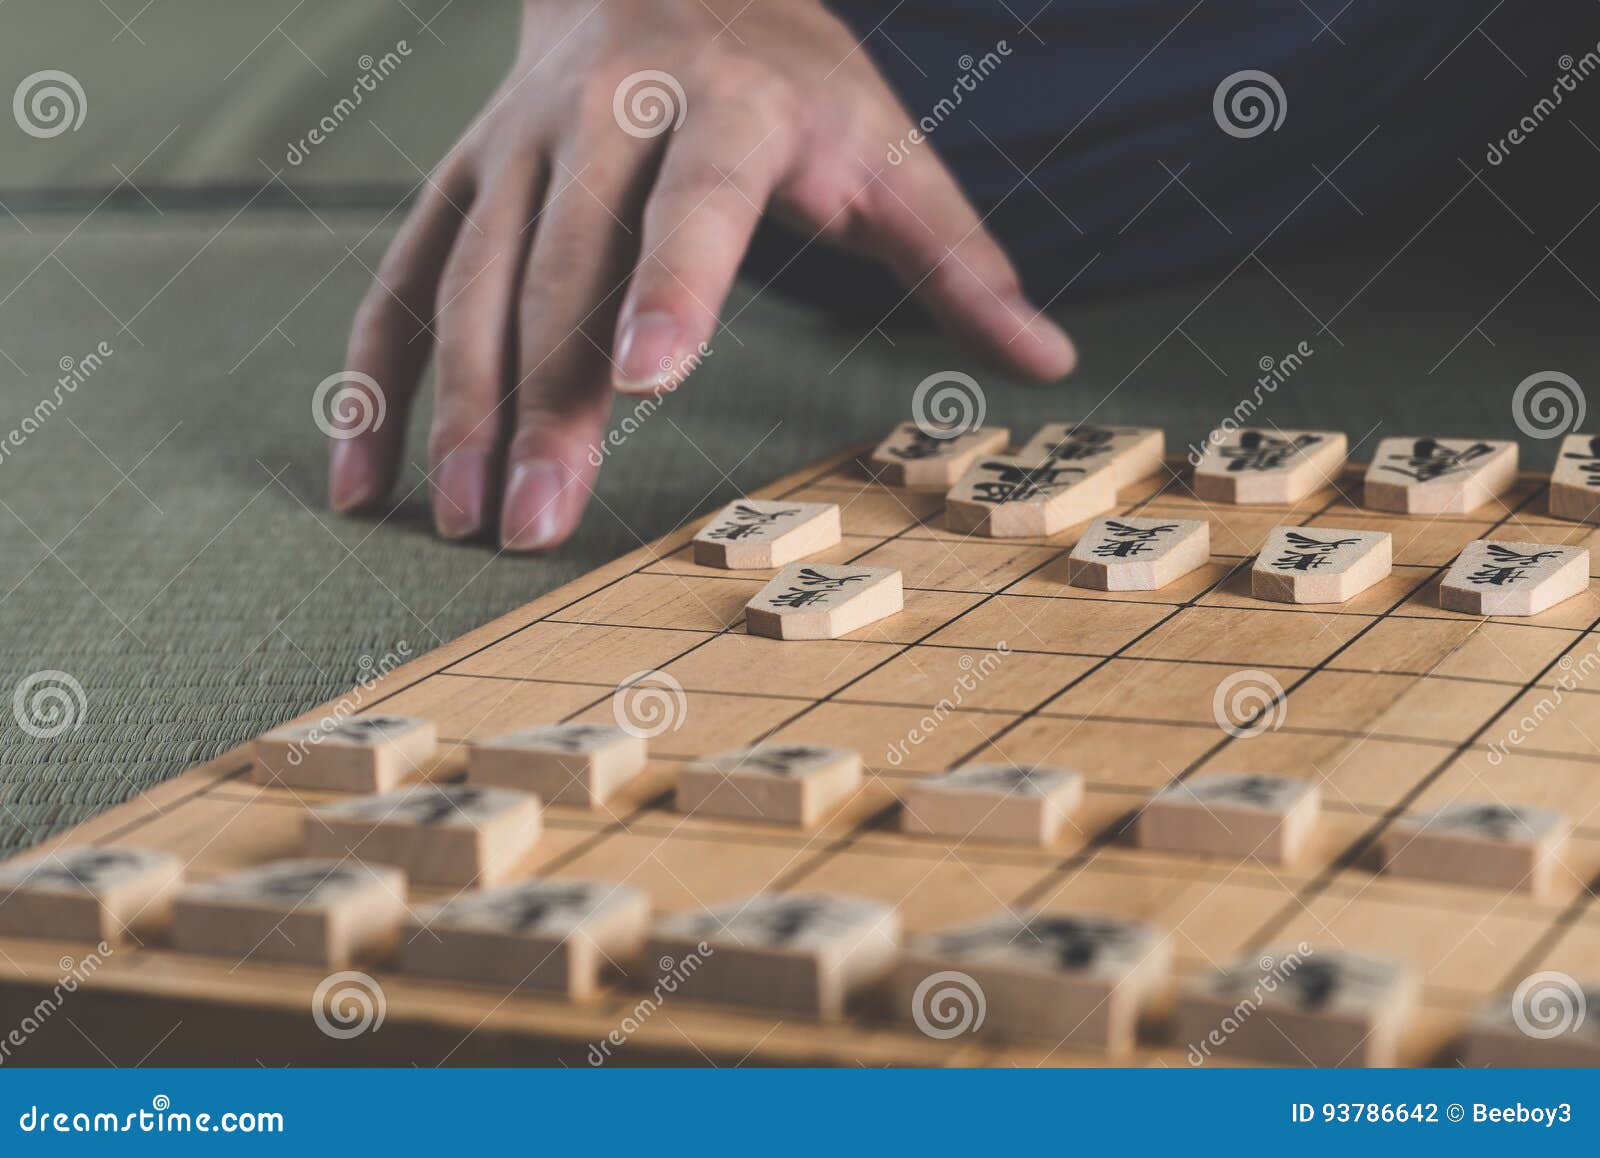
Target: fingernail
{"x": 460, "y": 490}
{"x": 645, "y": 350}
{"x": 352, "y": 475}
{"x": 529, "y": 518}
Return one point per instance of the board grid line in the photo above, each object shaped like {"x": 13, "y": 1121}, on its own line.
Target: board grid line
{"x": 870, "y": 832}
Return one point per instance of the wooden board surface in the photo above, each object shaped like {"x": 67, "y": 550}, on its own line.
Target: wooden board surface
{"x": 1392, "y": 704}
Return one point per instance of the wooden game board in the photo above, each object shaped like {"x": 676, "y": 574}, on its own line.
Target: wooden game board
{"x": 1392, "y": 702}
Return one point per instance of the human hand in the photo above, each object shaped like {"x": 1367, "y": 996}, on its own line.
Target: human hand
{"x": 570, "y": 246}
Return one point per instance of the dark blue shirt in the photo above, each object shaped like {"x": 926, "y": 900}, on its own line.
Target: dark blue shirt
{"x": 1090, "y": 132}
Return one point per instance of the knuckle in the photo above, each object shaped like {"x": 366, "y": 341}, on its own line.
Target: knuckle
{"x": 451, "y": 433}
{"x": 470, "y": 361}
{"x": 561, "y": 259}
{"x": 539, "y": 415}
{"x": 594, "y": 98}
{"x": 700, "y": 196}
{"x": 617, "y": 89}
{"x": 834, "y": 194}
{"x": 943, "y": 274}
{"x": 557, "y": 400}
{"x": 734, "y": 77}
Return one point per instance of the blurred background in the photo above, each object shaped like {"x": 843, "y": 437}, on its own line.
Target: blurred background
{"x": 178, "y": 270}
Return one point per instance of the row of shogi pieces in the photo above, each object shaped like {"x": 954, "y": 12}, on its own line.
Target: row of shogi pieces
{"x": 1080, "y": 981}
{"x": 1066, "y": 474}
{"x": 1069, "y": 472}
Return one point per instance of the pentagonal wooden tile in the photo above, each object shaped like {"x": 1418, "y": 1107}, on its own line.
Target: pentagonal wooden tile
{"x": 1495, "y": 577}
{"x": 1006, "y": 496}
{"x": 1575, "y": 482}
{"x": 1133, "y": 553}
{"x": 823, "y": 601}
{"x": 926, "y": 458}
{"x": 1130, "y": 452}
{"x": 1438, "y": 476}
{"x": 1268, "y": 466}
{"x": 1319, "y": 564}
{"x": 761, "y": 533}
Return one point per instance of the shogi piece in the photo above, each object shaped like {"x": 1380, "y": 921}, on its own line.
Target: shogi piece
{"x": 762, "y": 533}
{"x": 574, "y": 764}
{"x": 1129, "y": 452}
{"x": 1495, "y": 577}
{"x": 1138, "y": 554}
{"x": 359, "y": 754}
{"x": 1575, "y": 483}
{"x": 545, "y": 936}
{"x": 785, "y": 954}
{"x": 823, "y": 601}
{"x": 1268, "y": 466}
{"x": 1233, "y": 814}
{"x": 1325, "y": 1007}
{"x": 919, "y": 460}
{"x": 1007, "y": 497}
{"x": 1077, "y": 981}
{"x": 304, "y": 912}
{"x": 1490, "y": 844}
{"x": 88, "y": 894}
{"x": 781, "y": 783}
{"x": 457, "y": 835}
{"x": 1549, "y": 1020}
{"x": 1320, "y": 564}
{"x": 1438, "y": 476}
{"x": 997, "y": 802}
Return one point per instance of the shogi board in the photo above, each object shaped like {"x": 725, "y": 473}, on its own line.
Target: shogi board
{"x": 1396, "y": 705}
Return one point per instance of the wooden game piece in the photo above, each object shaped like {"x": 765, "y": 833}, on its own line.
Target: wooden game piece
{"x": 303, "y": 912}
{"x": 1129, "y": 452}
{"x": 574, "y": 764}
{"x": 1320, "y": 564}
{"x": 1074, "y": 981}
{"x": 753, "y": 533}
{"x": 914, "y": 458}
{"x": 1233, "y": 814}
{"x": 1325, "y": 1007}
{"x": 88, "y": 893}
{"x": 1438, "y": 476}
{"x": 1575, "y": 482}
{"x": 358, "y": 754}
{"x": 782, "y": 783}
{"x": 550, "y": 936}
{"x": 1499, "y": 577}
{"x": 998, "y": 802}
{"x": 1007, "y": 496}
{"x": 823, "y": 600}
{"x": 782, "y": 953}
{"x": 1549, "y": 1020}
{"x": 1493, "y": 845}
{"x": 457, "y": 835}
{"x": 1268, "y": 466}
{"x": 1130, "y": 553}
